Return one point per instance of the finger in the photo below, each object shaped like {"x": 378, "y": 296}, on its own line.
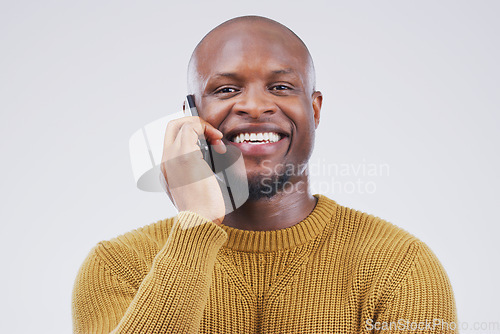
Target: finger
{"x": 206, "y": 129}
{"x": 211, "y": 133}
{"x": 173, "y": 128}
{"x": 172, "y": 142}
{"x": 187, "y": 138}
{"x": 192, "y": 131}
{"x": 219, "y": 146}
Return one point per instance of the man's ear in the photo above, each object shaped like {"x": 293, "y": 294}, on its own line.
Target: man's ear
{"x": 317, "y": 100}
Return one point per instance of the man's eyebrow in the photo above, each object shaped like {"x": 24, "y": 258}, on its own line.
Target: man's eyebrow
{"x": 287, "y": 72}
{"x": 225, "y": 75}
{"x": 284, "y": 71}
{"x": 236, "y": 76}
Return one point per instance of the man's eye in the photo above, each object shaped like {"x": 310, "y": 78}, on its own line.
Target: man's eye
{"x": 280, "y": 87}
{"x": 225, "y": 90}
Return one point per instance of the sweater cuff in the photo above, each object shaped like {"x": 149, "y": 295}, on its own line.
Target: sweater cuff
{"x": 194, "y": 240}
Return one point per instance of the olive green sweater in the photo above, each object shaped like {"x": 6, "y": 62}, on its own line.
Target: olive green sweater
{"x": 337, "y": 271}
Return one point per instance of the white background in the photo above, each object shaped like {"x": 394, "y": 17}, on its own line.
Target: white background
{"x": 411, "y": 85}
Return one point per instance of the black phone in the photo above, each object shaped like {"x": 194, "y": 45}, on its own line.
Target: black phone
{"x": 191, "y": 110}
{"x": 217, "y": 162}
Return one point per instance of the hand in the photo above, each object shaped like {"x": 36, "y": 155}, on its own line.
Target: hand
{"x": 190, "y": 183}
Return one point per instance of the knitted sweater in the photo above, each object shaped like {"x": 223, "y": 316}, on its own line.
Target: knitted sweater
{"x": 337, "y": 271}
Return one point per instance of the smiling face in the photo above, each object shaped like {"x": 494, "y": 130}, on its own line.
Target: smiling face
{"x": 256, "y": 78}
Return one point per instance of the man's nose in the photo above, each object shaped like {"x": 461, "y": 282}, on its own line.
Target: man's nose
{"x": 255, "y": 102}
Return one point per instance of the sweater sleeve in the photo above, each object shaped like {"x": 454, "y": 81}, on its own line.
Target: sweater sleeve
{"x": 423, "y": 302}
{"x": 170, "y": 299}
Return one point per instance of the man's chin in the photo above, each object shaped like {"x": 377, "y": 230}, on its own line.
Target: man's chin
{"x": 265, "y": 187}
{"x": 266, "y": 179}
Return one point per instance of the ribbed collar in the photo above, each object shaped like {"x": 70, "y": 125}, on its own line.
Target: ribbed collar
{"x": 287, "y": 238}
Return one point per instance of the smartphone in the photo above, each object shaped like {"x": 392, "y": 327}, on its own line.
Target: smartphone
{"x": 190, "y": 109}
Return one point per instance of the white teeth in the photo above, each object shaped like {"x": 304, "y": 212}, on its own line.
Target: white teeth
{"x": 257, "y": 138}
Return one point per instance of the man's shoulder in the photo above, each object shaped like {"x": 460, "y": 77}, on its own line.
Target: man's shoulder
{"x": 135, "y": 249}
{"x": 150, "y": 235}
{"x": 370, "y": 234}
{"x": 375, "y": 248}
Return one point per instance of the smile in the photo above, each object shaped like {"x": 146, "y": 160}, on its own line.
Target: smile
{"x": 260, "y": 144}
{"x": 258, "y": 138}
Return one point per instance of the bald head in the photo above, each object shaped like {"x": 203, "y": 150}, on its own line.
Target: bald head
{"x": 247, "y": 31}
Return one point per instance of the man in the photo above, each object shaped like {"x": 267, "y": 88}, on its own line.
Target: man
{"x": 284, "y": 262}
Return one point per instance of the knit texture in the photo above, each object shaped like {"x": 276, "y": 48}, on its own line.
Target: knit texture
{"x": 337, "y": 271}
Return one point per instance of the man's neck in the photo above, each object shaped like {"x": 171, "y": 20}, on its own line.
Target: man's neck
{"x": 283, "y": 210}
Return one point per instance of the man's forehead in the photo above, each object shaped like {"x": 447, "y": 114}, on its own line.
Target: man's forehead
{"x": 222, "y": 50}
{"x": 227, "y": 49}
{"x": 251, "y": 39}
